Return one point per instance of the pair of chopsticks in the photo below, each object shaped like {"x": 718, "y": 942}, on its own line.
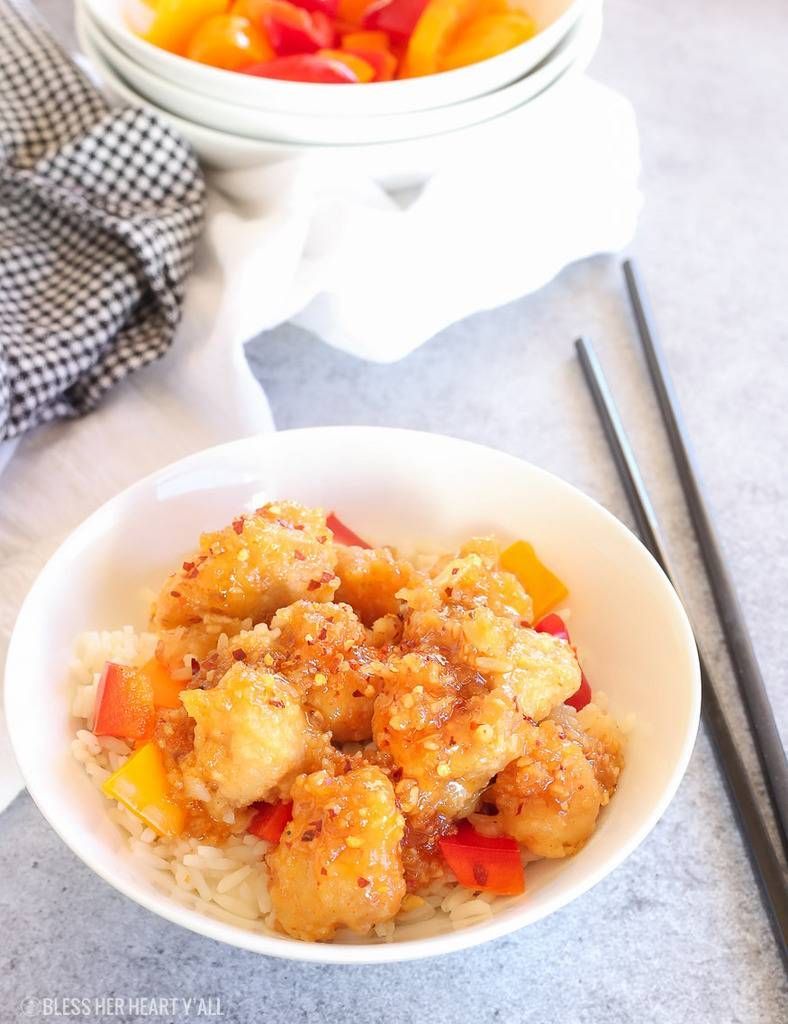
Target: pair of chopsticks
{"x": 768, "y": 866}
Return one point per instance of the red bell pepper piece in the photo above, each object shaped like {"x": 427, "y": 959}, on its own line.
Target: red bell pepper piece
{"x": 303, "y": 67}
{"x": 555, "y": 626}
{"x": 271, "y": 820}
{"x": 343, "y": 534}
{"x": 582, "y": 694}
{"x": 292, "y": 30}
{"x": 124, "y": 704}
{"x": 397, "y": 17}
{"x": 484, "y": 862}
{"x": 328, "y": 7}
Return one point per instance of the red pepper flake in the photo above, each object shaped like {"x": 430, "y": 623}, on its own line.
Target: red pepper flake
{"x": 298, "y": 526}
{"x": 308, "y": 836}
{"x": 323, "y": 871}
{"x": 276, "y": 703}
{"x": 362, "y": 883}
{"x": 313, "y": 585}
{"x": 322, "y": 634}
{"x": 300, "y": 556}
{"x": 175, "y": 593}
{"x": 195, "y": 666}
{"x": 238, "y": 524}
{"x": 190, "y": 570}
{"x": 448, "y": 591}
{"x": 480, "y": 873}
{"x": 357, "y": 693}
{"x": 455, "y": 570}
{"x": 239, "y": 655}
{"x": 322, "y": 540}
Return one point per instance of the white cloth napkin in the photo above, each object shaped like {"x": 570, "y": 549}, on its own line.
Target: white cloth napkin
{"x": 373, "y": 274}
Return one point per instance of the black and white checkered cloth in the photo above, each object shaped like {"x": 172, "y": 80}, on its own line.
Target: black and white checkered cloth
{"x": 99, "y": 213}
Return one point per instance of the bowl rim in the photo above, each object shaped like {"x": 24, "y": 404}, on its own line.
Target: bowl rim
{"x": 403, "y": 87}
{"x": 339, "y": 953}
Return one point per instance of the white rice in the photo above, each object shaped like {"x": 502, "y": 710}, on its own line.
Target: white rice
{"x": 227, "y": 882}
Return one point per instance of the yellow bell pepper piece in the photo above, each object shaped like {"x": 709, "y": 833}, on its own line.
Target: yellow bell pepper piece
{"x": 176, "y": 21}
{"x": 141, "y": 785}
{"x": 439, "y": 23}
{"x": 487, "y": 36}
{"x": 439, "y": 26}
{"x": 545, "y": 588}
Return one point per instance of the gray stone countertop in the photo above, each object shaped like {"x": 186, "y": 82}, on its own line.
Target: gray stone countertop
{"x": 678, "y": 933}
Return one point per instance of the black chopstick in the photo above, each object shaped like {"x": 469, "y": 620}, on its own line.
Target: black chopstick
{"x": 768, "y": 868}
{"x": 748, "y": 674}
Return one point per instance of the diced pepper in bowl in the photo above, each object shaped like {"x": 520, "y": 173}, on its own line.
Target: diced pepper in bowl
{"x": 141, "y": 785}
{"x": 228, "y": 41}
{"x": 482, "y": 862}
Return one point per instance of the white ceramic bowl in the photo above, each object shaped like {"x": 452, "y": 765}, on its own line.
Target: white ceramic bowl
{"x": 401, "y": 164}
{"x": 304, "y": 128}
{"x": 401, "y": 487}
{"x": 554, "y": 18}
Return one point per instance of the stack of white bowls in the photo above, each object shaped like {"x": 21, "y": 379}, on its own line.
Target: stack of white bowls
{"x": 398, "y": 132}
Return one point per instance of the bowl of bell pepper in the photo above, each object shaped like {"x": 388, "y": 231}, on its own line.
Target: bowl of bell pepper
{"x": 280, "y": 55}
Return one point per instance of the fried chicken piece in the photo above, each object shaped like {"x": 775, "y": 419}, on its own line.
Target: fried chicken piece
{"x": 370, "y": 580}
{"x": 338, "y": 862}
{"x": 251, "y": 737}
{"x": 322, "y": 649}
{"x": 474, "y": 578}
{"x": 261, "y": 562}
{"x": 549, "y": 798}
{"x": 446, "y": 732}
{"x": 539, "y": 670}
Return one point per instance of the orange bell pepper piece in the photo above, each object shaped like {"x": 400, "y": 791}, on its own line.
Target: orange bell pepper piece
{"x": 166, "y": 690}
{"x": 544, "y": 587}
{"x": 373, "y": 47}
{"x": 141, "y": 785}
{"x": 352, "y": 11}
{"x": 176, "y": 21}
{"x": 487, "y": 36}
{"x": 361, "y": 68}
{"x": 439, "y": 23}
{"x": 228, "y": 41}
